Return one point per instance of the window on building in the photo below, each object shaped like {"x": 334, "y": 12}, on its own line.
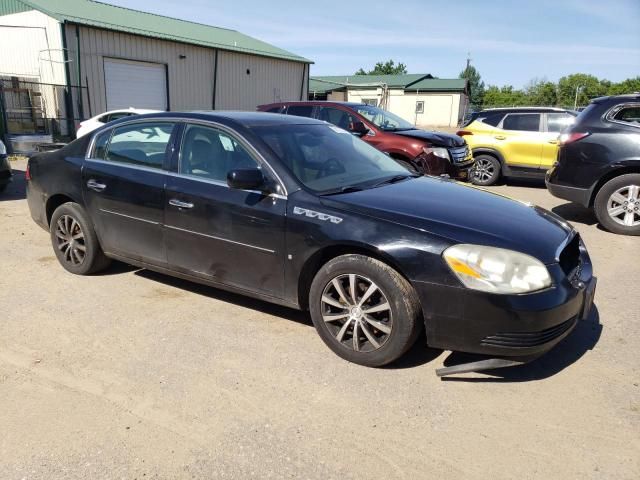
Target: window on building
{"x": 142, "y": 144}
{"x": 527, "y": 122}
{"x": 420, "y": 107}
{"x": 370, "y": 101}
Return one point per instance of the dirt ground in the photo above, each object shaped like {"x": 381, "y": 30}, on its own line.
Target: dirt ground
{"x": 132, "y": 374}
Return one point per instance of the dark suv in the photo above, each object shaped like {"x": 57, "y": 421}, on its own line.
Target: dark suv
{"x": 431, "y": 153}
{"x": 599, "y": 163}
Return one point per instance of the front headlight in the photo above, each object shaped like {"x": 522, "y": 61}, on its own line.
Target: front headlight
{"x": 496, "y": 270}
{"x": 438, "y": 152}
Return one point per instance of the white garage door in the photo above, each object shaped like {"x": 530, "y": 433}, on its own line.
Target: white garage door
{"x": 135, "y": 84}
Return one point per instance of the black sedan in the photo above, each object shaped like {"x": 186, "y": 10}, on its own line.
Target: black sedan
{"x": 5, "y": 168}
{"x": 298, "y": 212}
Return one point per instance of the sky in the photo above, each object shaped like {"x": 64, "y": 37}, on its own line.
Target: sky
{"x": 510, "y": 42}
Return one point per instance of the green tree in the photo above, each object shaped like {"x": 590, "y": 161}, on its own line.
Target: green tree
{"x": 630, "y": 85}
{"x": 505, "y": 96}
{"x": 587, "y": 87}
{"x": 541, "y": 92}
{"x": 385, "y": 68}
{"x": 476, "y": 86}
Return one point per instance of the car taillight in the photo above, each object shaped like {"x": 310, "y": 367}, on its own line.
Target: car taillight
{"x": 462, "y": 133}
{"x": 27, "y": 173}
{"x": 567, "y": 138}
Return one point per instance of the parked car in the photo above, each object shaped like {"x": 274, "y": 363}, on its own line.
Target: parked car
{"x": 99, "y": 120}
{"x": 431, "y": 153}
{"x": 599, "y": 163}
{"x": 514, "y": 142}
{"x": 5, "y": 168}
{"x": 297, "y": 212}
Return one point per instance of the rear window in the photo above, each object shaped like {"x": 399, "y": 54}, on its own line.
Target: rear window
{"x": 490, "y": 118}
{"x": 630, "y": 114}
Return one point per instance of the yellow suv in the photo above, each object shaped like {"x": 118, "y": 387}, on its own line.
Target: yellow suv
{"x": 514, "y": 142}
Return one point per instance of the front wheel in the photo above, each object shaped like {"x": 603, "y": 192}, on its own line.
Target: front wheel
{"x": 75, "y": 242}
{"x": 364, "y": 310}
{"x": 485, "y": 171}
{"x": 617, "y": 205}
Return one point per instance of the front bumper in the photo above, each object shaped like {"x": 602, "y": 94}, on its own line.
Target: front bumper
{"x": 514, "y": 326}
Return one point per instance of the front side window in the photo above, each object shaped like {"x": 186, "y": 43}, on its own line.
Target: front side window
{"x": 210, "y": 153}
{"x": 382, "y": 119}
{"x": 328, "y": 159}
{"x": 143, "y": 144}
{"x": 300, "y": 110}
{"x": 557, "y": 122}
{"x": 630, "y": 114}
{"x": 335, "y": 116}
{"x": 527, "y": 122}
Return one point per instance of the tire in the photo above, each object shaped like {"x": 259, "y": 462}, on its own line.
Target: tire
{"x": 71, "y": 232}
{"x": 407, "y": 164}
{"x": 385, "y": 334}
{"x": 617, "y": 204}
{"x": 486, "y": 170}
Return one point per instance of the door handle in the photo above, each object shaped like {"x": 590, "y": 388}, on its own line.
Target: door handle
{"x": 499, "y": 137}
{"x": 180, "y": 204}
{"x": 95, "y": 186}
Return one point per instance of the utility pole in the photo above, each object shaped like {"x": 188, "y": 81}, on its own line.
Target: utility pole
{"x": 575, "y": 102}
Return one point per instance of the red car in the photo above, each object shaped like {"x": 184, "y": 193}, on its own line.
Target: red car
{"x": 431, "y": 153}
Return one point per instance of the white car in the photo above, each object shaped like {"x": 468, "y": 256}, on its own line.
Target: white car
{"x": 96, "y": 122}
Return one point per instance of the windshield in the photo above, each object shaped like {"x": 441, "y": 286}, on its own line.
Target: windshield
{"x": 327, "y": 159}
{"x": 382, "y": 119}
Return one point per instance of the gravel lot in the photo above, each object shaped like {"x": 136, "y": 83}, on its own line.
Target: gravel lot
{"x": 132, "y": 374}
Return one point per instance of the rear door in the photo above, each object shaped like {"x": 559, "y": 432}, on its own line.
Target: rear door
{"x": 226, "y": 235}
{"x": 123, "y": 182}
{"x": 519, "y": 139}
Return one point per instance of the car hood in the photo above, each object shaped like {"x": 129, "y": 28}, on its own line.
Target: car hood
{"x": 462, "y": 214}
{"x": 437, "y": 139}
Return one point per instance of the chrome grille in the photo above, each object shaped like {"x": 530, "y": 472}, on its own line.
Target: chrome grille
{"x": 459, "y": 154}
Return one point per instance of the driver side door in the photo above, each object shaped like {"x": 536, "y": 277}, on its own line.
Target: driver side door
{"x": 225, "y": 235}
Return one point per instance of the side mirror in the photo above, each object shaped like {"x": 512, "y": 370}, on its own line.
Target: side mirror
{"x": 246, "y": 179}
{"x": 358, "y": 128}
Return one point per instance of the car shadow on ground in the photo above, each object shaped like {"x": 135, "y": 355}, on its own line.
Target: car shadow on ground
{"x": 583, "y": 338}
{"x": 576, "y": 213}
{"x": 17, "y": 189}
{"x": 523, "y": 182}
{"x": 228, "y": 297}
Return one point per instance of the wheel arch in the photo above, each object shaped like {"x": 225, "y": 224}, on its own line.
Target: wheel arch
{"x": 54, "y": 202}
{"x": 315, "y": 262}
{"x": 489, "y": 151}
{"x": 621, "y": 170}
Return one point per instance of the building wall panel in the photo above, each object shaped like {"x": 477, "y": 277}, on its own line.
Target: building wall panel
{"x": 246, "y": 81}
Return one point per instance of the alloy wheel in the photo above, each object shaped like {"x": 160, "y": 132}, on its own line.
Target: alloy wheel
{"x": 623, "y": 206}
{"x": 357, "y": 312}
{"x": 70, "y": 240}
{"x": 484, "y": 170}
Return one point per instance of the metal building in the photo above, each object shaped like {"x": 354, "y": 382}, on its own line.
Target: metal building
{"x": 88, "y": 57}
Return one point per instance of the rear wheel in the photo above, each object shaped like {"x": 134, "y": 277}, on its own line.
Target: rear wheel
{"x": 617, "y": 205}
{"x": 486, "y": 170}
{"x": 75, "y": 242}
{"x": 364, "y": 311}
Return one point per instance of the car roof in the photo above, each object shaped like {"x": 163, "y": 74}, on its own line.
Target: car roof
{"x": 315, "y": 102}
{"x": 246, "y": 119}
{"x": 617, "y": 98}
{"x": 525, "y": 109}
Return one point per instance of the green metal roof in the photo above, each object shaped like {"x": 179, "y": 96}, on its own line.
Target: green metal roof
{"x": 7, "y": 7}
{"x": 102, "y": 15}
{"x": 440, "y": 84}
{"x": 398, "y": 81}
{"x": 409, "y": 81}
